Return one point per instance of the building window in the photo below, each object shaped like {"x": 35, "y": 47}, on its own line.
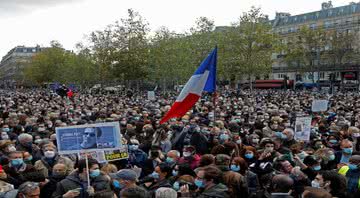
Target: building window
{"x": 281, "y": 75}
{"x": 337, "y": 75}
{"x": 321, "y": 75}
{"x": 24, "y": 50}
{"x": 34, "y": 50}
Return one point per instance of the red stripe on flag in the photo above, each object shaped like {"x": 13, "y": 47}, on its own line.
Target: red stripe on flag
{"x": 180, "y": 108}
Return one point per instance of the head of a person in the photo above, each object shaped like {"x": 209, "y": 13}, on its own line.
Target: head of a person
{"x": 188, "y": 151}
{"x": 109, "y": 168}
{"x": 249, "y": 152}
{"x": 90, "y": 137}
{"x": 184, "y": 180}
{"x": 312, "y": 162}
{"x": 49, "y": 151}
{"x": 29, "y": 190}
{"x": 133, "y": 192}
{"x": 94, "y": 167}
{"x": 283, "y": 166}
{"x": 124, "y": 178}
{"x": 7, "y": 146}
{"x": 60, "y": 171}
{"x": 311, "y": 192}
{"x": 222, "y": 161}
{"x": 289, "y": 133}
{"x": 354, "y": 162}
{"x": 238, "y": 164}
{"x": 172, "y": 156}
{"x": 25, "y": 140}
{"x": 325, "y": 154}
{"x": 133, "y": 144}
{"x": 208, "y": 176}
{"x": 282, "y": 183}
{"x": 232, "y": 181}
{"x": 162, "y": 171}
{"x": 206, "y": 160}
{"x": 330, "y": 180}
{"x": 16, "y": 158}
{"x": 346, "y": 146}
{"x": 165, "y": 193}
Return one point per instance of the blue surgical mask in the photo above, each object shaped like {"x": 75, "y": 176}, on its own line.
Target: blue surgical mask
{"x": 175, "y": 173}
{"x": 117, "y": 184}
{"x": 169, "y": 160}
{"x": 155, "y": 175}
{"x": 199, "y": 183}
{"x": 133, "y": 147}
{"x": 176, "y": 186}
{"x": 332, "y": 157}
{"x": 249, "y": 155}
{"x": 234, "y": 167}
{"x": 333, "y": 141}
{"x": 353, "y": 167}
{"x": 29, "y": 159}
{"x": 238, "y": 141}
{"x": 16, "y": 162}
{"x": 94, "y": 173}
{"x": 348, "y": 150}
{"x": 224, "y": 136}
{"x": 6, "y": 129}
{"x": 317, "y": 168}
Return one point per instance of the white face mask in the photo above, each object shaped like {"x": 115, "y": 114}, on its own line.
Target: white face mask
{"x": 49, "y": 154}
{"x": 12, "y": 148}
{"x": 315, "y": 184}
{"x": 186, "y": 154}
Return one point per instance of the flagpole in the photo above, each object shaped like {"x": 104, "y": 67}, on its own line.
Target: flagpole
{"x": 214, "y": 103}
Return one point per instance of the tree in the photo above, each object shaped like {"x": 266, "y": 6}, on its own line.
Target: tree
{"x": 132, "y": 50}
{"x": 304, "y": 50}
{"x": 251, "y": 44}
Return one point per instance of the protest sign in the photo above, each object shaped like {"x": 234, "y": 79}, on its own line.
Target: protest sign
{"x": 88, "y": 138}
{"x": 302, "y": 128}
{"x": 151, "y": 95}
{"x": 107, "y": 155}
{"x": 319, "y": 105}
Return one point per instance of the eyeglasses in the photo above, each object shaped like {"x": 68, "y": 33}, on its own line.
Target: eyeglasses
{"x": 89, "y": 134}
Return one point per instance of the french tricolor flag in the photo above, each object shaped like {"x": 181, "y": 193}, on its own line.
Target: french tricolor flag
{"x": 204, "y": 79}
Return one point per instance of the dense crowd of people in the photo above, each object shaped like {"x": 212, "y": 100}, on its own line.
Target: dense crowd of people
{"x": 239, "y": 145}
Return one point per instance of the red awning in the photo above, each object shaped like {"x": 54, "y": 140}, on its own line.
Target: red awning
{"x": 268, "y": 85}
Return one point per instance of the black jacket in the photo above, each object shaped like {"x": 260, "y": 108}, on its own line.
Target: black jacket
{"x": 100, "y": 184}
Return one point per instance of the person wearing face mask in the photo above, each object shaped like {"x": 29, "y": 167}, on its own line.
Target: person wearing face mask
{"x": 59, "y": 172}
{"x": 192, "y": 136}
{"x": 352, "y": 173}
{"x": 160, "y": 177}
{"x": 342, "y": 157}
{"x": 6, "y": 147}
{"x": 124, "y": 179}
{"x": 332, "y": 182}
{"x": 137, "y": 157}
{"x": 327, "y": 156}
{"x": 249, "y": 154}
{"x": 155, "y": 157}
{"x": 254, "y": 140}
{"x": 190, "y": 157}
{"x": 17, "y": 171}
{"x": 26, "y": 144}
{"x": 208, "y": 181}
{"x": 172, "y": 157}
{"x": 51, "y": 158}
{"x": 310, "y": 166}
{"x": 99, "y": 183}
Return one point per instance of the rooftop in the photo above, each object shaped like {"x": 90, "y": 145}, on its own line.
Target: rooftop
{"x": 327, "y": 12}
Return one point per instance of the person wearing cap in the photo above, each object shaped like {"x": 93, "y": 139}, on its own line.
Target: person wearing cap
{"x": 124, "y": 179}
{"x": 189, "y": 156}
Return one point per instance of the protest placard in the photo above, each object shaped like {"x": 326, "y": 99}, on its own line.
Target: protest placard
{"x": 319, "y": 105}
{"x": 107, "y": 155}
{"x": 151, "y": 95}
{"x": 302, "y": 128}
{"x": 87, "y": 138}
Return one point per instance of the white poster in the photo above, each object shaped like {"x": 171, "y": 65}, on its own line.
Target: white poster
{"x": 302, "y": 128}
{"x": 151, "y": 95}
{"x": 319, "y": 105}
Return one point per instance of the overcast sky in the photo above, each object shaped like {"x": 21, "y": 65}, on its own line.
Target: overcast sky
{"x": 31, "y": 22}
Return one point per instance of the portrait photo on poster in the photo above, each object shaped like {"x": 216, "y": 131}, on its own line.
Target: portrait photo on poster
{"x": 101, "y": 136}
